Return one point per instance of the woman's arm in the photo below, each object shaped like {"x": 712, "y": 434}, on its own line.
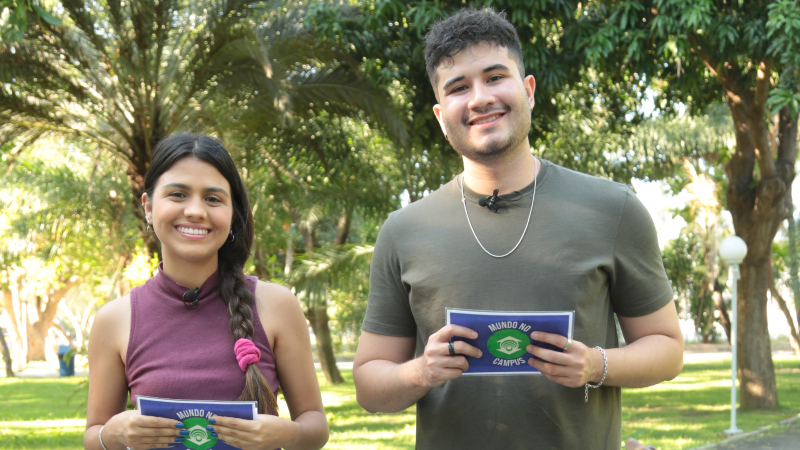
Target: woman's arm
{"x": 108, "y": 389}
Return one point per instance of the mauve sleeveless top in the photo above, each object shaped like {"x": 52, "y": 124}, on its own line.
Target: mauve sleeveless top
{"x": 181, "y": 353}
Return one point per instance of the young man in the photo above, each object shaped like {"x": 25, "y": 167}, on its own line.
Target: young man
{"x": 555, "y": 240}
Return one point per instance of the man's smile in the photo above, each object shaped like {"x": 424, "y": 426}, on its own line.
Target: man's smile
{"x": 486, "y": 119}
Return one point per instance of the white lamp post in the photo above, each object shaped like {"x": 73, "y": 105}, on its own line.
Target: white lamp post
{"x": 732, "y": 250}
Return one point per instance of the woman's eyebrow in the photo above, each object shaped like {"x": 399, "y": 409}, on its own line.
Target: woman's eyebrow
{"x": 188, "y": 188}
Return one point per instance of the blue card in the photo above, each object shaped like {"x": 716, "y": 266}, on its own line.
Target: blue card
{"x": 504, "y": 335}
{"x": 195, "y": 414}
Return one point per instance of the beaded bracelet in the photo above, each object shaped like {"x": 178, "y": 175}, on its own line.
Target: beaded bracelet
{"x": 605, "y": 371}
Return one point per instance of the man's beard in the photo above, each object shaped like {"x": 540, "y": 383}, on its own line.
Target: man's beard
{"x": 497, "y": 147}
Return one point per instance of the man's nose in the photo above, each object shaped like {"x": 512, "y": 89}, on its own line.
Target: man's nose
{"x": 482, "y": 96}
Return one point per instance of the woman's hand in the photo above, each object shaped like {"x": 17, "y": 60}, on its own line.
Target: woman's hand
{"x": 139, "y": 432}
{"x": 267, "y": 432}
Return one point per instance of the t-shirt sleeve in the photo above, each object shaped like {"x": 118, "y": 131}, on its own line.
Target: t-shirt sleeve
{"x": 639, "y": 285}
{"x": 388, "y": 309}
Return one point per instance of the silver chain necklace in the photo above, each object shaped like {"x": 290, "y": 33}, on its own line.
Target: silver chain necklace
{"x": 533, "y": 198}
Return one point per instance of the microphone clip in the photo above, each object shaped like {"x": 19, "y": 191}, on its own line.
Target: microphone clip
{"x": 490, "y": 202}
{"x": 190, "y": 298}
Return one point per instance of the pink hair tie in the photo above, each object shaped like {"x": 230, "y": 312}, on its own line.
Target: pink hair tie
{"x": 246, "y": 353}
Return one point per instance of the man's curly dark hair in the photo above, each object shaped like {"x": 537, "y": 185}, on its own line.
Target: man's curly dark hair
{"x": 466, "y": 28}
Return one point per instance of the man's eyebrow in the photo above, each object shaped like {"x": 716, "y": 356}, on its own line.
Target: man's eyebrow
{"x": 491, "y": 68}
{"x": 188, "y": 188}
{"x": 495, "y": 67}
{"x": 451, "y": 82}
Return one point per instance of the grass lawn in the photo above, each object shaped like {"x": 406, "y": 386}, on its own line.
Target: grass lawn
{"x": 687, "y": 412}
{"x": 693, "y": 409}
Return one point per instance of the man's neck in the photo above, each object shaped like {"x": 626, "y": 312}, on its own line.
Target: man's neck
{"x": 506, "y": 175}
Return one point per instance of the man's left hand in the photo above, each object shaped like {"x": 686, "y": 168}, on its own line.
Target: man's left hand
{"x": 574, "y": 367}
{"x": 249, "y": 434}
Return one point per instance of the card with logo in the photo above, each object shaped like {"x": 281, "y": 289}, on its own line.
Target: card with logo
{"x": 503, "y": 337}
{"x": 195, "y": 414}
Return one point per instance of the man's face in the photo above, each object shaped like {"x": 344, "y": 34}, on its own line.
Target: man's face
{"x": 484, "y": 107}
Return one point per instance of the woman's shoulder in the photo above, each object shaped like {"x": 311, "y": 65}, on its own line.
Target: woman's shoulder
{"x": 115, "y": 310}
{"x": 113, "y": 322}
{"x": 272, "y": 295}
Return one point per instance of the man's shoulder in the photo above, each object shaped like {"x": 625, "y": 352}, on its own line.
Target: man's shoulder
{"x": 585, "y": 181}
{"x": 423, "y": 208}
{"x": 577, "y": 186}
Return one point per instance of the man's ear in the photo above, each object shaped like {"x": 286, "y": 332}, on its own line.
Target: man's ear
{"x": 530, "y": 89}
{"x": 437, "y": 111}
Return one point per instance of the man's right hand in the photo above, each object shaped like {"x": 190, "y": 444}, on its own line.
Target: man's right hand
{"x": 436, "y": 364}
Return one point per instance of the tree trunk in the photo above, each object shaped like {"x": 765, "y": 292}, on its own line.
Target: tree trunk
{"x": 754, "y": 352}
{"x": 260, "y": 263}
{"x": 759, "y": 199}
{"x": 724, "y": 319}
{"x": 6, "y": 355}
{"x": 318, "y": 316}
{"x": 36, "y": 343}
{"x": 317, "y": 311}
{"x": 45, "y": 315}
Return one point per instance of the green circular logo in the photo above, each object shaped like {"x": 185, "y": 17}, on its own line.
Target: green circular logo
{"x": 199, "y": 438}
{"x": 508, "y": 344}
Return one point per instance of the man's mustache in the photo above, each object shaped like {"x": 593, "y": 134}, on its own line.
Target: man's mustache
{"x": 466, "y": 119}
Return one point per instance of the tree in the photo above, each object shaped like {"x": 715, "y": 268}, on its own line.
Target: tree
{"x": 123, "y": 75}
{"x": 51, "y": 203}
{"x": 17, "y": 16}
{"x": 320, "y": 172}
{"x": 747, "y": 53}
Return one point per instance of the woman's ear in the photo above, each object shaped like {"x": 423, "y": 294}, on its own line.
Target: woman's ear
{"x": 148, "y": 207}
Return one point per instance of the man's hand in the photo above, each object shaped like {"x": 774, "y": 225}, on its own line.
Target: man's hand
{"x": 573, "y": 368}
{"x": 437, "y": 366}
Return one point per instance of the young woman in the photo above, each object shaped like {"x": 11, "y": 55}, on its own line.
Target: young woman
{"x": 234, "y": 340}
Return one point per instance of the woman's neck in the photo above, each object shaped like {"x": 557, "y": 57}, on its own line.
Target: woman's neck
{"x": 191, "y": 274}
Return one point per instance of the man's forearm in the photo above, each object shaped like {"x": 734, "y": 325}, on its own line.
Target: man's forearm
{"x": 645, "y": 362}
{"x": 385, "y": 386}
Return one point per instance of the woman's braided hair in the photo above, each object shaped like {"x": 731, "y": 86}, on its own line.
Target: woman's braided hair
{"x": 233, "y": 254}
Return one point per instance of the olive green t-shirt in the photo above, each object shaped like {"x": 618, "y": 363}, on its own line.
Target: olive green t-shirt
{"x": 591, "y": 248}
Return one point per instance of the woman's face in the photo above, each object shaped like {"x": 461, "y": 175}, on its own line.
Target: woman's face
{"x": 190, "y": 210}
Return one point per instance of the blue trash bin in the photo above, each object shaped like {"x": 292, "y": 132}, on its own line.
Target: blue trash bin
{"x": 66, "y": 367}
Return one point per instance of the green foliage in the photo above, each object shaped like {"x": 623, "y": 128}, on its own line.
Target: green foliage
{"x": 685, "y": 263}
{"x": 17, "y": 15}
{"x": 68, "y": 211}
{"x": 346, "y": 311}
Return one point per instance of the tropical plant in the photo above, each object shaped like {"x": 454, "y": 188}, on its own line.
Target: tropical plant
{"x": 747, "y": 53}
{"x": 66, "y": 221}
{"x": 16, "y": 16}
{"x": 123, "y": 75}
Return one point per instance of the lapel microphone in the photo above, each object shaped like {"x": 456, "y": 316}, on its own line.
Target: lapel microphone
{"x": 190, "y": 298}
{"x": 490, "y": 201}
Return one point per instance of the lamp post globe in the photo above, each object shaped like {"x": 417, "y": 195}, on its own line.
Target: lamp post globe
{"x": 732, "y": 250}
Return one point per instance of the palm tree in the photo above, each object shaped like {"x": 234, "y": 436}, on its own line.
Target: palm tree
{"x": 125, "y": 74}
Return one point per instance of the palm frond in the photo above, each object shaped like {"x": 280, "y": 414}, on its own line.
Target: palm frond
{"x": 343, "y": 267}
